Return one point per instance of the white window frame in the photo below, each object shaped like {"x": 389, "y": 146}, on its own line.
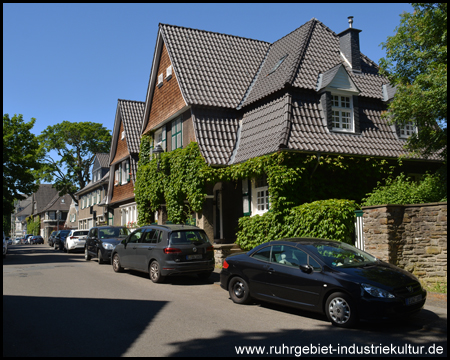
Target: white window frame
{"x": 342, "y": 111}
{"x": 160, "y": 79}
{"x": 260, "y": 196}
{"x": 125, "y": 169}
{"x": 407, "y": 130}
{"x": 123, "y": 135}
{"x": 169, "y": 72}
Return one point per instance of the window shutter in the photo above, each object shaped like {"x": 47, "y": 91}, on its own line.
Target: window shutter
{"x": 246, "y": 197}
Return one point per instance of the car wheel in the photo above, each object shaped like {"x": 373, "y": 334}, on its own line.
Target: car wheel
{"x": 116, "y": 263}
{"x": 239, "y": 291}
{"x": 155, "y": 272}
{"x": 341, "y": 310}
{"x": 99, "y": 257}
{"x": 87, "y": 257}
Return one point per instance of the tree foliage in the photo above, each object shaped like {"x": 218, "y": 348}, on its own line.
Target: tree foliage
{"x": 76, "y": 145}
{"x": 416, "y": 63}
{"x": 20, "y": 159}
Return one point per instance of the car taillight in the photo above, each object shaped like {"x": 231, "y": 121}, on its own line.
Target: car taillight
{"x": 172, "y": 251}
{"x": 72, "y": 237}
{"x": 210, "y": 248}
{"x": 225, "y": 265}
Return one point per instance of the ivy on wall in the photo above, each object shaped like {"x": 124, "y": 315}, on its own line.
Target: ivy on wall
{"x": 294, "y": 178}
{"x": 33, "y": 226}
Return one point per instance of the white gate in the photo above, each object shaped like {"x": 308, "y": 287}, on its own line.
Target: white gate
{"x": 359, "y": 225}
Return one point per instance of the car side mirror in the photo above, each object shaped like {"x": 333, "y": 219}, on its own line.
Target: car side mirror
{"x": 308, "y": 269}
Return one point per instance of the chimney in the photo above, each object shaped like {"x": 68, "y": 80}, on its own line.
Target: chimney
{"x": 349, "y": 44}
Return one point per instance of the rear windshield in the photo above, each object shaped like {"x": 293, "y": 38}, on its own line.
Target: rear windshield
{"x": 196, "y": 237}
{"x": 113, "y": 232}
{"x": 79, "y": 233}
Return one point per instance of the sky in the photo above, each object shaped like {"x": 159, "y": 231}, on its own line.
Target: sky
{"x": 73, "y": 61}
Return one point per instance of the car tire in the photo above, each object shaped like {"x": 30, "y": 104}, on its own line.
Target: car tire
{"x": 154, "y": 272}
{"x": 87, "y": 257}
{"x": 239, "y": 291}
{"x": 116, "y": 263}
{"x": 99, "y": 257}
{"x": 341, "y": 310}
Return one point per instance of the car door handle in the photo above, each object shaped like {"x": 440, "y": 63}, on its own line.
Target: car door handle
{"x": 270, "y": 270}
{"x": 150, "y": 248}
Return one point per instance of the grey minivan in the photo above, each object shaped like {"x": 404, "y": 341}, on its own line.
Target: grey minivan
{"x": 163, "y": 250}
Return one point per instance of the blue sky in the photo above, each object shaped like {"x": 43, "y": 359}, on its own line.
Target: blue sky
{"x": 73, "y": 61}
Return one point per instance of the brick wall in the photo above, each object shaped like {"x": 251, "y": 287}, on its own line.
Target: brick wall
{"x": 413, "y": 237}
{"x": 167, "y": 99}
{"x": 122, "y": 192}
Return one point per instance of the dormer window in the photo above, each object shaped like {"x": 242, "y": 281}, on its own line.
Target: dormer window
{"x": 341, "y": 113}
{"x": 407, "y": 130}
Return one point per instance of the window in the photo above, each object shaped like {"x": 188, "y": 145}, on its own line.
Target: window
{"x": 116, "y": 177}
{"x": 176, "y": 134}
{"x": 262, "y": 194}
{"x": 160, "y": 137}
{"x": 125, "y": 172}
{"x": 407, "y": 130}
{"x": 123, "y": 135}
{"x": 277, "y": 65}
{"x": 160, "y": 79}
{"x": 342, "y": 113}
{"x": 169, "y": 72}
{"x": 263, "y": 254}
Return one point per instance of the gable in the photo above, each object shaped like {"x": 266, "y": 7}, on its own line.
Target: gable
{"x": 166, "y": 98}
{"x": 121, "y": 149}
{"x": 336, "y": 78}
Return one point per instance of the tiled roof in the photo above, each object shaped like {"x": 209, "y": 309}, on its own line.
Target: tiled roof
{"x": 132, "y": 113}
{"x": 212, "y": 69}
{"x": 45, "y": 193}
{"x": 215, "y": 131}
{"x": 59, "y": 203}
{"x": 103, "y": 159}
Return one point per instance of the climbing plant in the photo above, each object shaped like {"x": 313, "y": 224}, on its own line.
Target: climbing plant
{"x": 181, "y": 179}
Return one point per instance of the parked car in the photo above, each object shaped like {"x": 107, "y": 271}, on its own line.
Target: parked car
{"x": 60, "y": 237}
{"x": 28, "y": 238}
{"x": 5, "y": 245}
{"x": 75, "y": 240}
{"x": 326, "y": 276}
{"x": 51, "y": 238}
{"x": 9, "y": 241}
{"x": 37, "y": 240}
{"x": 17, "y": 241}
{"x": 163, "y": 250}
{"x": 101, "y": 241}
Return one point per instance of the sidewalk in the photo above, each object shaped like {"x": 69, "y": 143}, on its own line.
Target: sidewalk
{"x": 434, "y": 314}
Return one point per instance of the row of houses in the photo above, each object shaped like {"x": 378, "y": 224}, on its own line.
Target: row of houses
{"x": 312, "y": 91}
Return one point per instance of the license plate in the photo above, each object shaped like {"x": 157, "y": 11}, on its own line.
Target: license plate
{"x": 194, "y": 257}
{"x": 413, "y": 300}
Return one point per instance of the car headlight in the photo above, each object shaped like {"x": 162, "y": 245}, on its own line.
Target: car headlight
{"x": 108, "y": 246}
{"x": 377, "y": 292}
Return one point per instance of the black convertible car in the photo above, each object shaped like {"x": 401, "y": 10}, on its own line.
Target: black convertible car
{"x": 325, "y": 276}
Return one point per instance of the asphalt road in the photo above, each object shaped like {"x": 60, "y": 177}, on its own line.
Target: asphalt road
{"x": 57, "y": 304}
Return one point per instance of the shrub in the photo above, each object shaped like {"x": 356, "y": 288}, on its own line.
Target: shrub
{"x": 402, "y": 190}
{"x": 328, "y": 219}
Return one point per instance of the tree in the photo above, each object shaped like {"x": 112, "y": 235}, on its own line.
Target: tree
{"x": 416, "y": 63}
{"x": 20, "y": 159}
{"x": 76, "y": 145}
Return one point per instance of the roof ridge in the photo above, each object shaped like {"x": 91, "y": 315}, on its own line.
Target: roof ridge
{"x": 138, "y": 101}
{"x": 214, "y": 32}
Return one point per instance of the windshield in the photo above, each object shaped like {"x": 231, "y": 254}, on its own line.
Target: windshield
{"x": 196, "y": 237}
{"x": 107, "y": 233}
{"x": 341, "y": 255}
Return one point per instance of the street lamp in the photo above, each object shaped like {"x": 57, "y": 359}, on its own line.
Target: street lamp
{"x": 158, "y": 150}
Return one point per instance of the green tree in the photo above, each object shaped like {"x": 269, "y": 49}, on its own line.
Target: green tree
{"x": 20, "y": 159}
{"x": 76, "y": 145}
{"x": 416, "y": 63}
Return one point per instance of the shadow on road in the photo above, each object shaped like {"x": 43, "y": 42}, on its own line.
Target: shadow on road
{"x": 73, "y": 326}
{"x": 38, "y": 254}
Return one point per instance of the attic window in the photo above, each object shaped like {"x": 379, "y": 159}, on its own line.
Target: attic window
{"x": 407, "y": 130}
{"x": 277, "y": 65}
{"x": 169, "y": 72}
{"x": 123, "y": 135}
{"x": 160, "y": 79}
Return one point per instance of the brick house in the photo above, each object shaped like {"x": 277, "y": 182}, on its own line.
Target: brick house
{"x": 312, "y": 91}
{"x": 91, "y": 199}
{"x": 123, "y": 159}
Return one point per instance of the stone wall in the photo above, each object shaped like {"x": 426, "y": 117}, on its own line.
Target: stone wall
{"x": 413, "y": 237}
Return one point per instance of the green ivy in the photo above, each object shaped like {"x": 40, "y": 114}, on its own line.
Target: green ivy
{"x": 327, "y": 219}
{"x": 293, "y": 178}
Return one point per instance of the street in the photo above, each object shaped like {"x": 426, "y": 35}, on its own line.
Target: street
{"x": 58, "y": 304}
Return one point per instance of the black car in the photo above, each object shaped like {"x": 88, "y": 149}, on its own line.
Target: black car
{"x": 59, "y": 239}
{"x": 52, "y": 238}
{"x": 163, "y": 250}
{"x": 37, "y": 240}
{"x": 101, "y": 241}
{"x": 325, "y": 276}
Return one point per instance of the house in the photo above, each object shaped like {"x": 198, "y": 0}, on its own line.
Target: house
{"x": 90, "y": 209}
{"x": 22, "y": 209}
{"x": 53, "y": 216}
{"x": 123, "y": 159}
{"x": 39, "y": 201}
{"x": 311, "y": 92}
